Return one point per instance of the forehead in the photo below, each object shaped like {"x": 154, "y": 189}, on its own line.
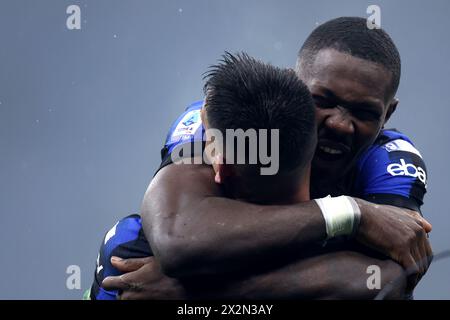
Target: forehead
{"x": 348, "y": 77}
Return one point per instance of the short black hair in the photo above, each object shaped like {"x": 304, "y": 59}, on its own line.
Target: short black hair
{"x": 245, "y": 93}
{"x": 351, "y": 35}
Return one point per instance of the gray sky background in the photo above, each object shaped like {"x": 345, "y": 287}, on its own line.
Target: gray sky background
{"x": 84, "y": 113}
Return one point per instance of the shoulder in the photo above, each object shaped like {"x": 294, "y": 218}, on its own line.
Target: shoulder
{"x": 124, "y": 230}
{"x": 185, "y": 133}
{"x": 390, "y": 168}
{"x": 186, "y": 125}
{"x": 392, "y": 145}
{"x": 126, "y": 240}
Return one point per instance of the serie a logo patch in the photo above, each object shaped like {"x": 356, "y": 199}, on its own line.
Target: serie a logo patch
{"x": 187, "y": 126}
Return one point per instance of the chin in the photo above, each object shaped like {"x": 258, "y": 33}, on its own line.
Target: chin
{"x": 330, "y": 170}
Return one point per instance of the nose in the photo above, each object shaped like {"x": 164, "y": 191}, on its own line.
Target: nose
{"x": 340, "y": 121}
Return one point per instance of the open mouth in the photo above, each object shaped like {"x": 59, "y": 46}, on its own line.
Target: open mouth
{"x": 330, "y": 150}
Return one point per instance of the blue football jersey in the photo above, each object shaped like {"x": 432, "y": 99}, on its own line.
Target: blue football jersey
{"x": 391, "y": 171}
{"x": 125, "y": 240}
{"x": 186, "y": 131}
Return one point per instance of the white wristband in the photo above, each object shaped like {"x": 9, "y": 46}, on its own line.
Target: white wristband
{"x": 341, "y": 215}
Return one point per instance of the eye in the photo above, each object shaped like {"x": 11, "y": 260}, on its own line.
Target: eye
{"x": 366, "y": 115}
{"x": 322, "y": 102}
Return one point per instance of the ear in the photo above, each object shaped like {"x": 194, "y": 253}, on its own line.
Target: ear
{"x": 391, "y": 109}
{"x": 223, "y": 171}
{"x": 203, "y": 114}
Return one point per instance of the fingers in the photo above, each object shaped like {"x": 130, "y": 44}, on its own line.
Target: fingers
{"x": 128, "y": 284}
{"x": 410, "y": 265}
{"x": 423, "y": 222}
{"x": 425, "y": 258}
{"x": 418, "y": 261}
{"x": 115, "y": 283}
{"x": 411, "y": 271}
{"x": 423, "y": 264}
{"x": 426, "y": 225}
{"x": 423, "y": 250}
{"x": 130, "y": 295}
{"x": 429, "y": 251}
{"x": 129, "y": 265}
{"x": 419, "y": 257}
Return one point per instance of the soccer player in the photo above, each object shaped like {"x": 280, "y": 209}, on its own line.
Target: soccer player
{"x": 241, "y": 94}
{"x": 353, "y": 74}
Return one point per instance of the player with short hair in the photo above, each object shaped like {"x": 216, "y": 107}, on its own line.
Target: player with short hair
{"x": 352, "y": 73}
{"x": 241, "y": 93}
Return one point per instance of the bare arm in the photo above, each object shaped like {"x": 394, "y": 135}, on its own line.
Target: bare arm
{"x": 335, "y": 275}
{"x": 194, "y": 230}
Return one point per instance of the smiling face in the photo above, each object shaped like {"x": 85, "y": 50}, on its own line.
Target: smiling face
{"x": 353, "y": 102}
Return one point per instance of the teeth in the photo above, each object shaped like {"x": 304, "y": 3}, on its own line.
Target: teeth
{"x": 330, "y": 150}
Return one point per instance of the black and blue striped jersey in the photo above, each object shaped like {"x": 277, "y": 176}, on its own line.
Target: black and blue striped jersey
{"x": 391, "y": 171}
{"x": 126, "y": 240}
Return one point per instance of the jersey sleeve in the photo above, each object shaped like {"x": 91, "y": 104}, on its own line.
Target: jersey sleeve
{"x": 125, "y": 239}
{"x": 393, "y": 173}
{"x": 185, "y": 138}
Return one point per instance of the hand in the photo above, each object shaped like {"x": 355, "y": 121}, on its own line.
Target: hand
{"x": 142, "y": 279}
{"x": 398, "y": 233}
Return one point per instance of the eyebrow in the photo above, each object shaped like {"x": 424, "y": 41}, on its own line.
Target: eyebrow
{"x": 366, "y": 104}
